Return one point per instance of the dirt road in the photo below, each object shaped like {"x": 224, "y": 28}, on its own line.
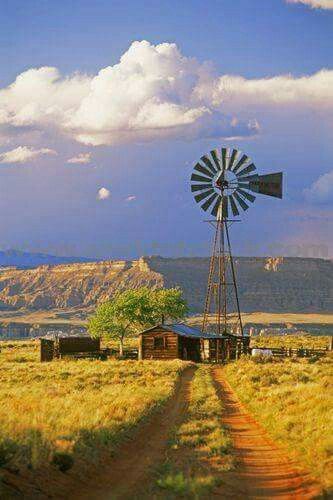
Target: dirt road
{"x": 264, "y": 470}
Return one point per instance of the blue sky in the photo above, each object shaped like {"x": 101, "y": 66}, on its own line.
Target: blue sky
{"x": 260, "y": 71}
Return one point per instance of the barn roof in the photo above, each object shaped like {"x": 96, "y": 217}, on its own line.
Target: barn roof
{"x": 188, "y": 331}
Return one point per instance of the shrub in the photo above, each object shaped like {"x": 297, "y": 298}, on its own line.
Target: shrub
{"x": 8, "y": 450}
{"x": 63, "y": 461}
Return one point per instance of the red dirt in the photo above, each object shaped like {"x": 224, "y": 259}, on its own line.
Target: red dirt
{"x": 263, "y": 469}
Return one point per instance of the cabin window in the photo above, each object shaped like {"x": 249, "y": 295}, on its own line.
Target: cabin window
{"x": 160, "y": 343}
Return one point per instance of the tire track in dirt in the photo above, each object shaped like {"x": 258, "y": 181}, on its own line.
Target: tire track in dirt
{"x": 263, "y": 470}
{"x": 131, "y": 471}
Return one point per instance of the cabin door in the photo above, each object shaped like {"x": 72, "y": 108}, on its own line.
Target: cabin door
{"x": 190, "y": 349}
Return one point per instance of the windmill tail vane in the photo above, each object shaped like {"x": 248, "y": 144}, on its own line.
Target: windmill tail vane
{"x": 225, "y": 182}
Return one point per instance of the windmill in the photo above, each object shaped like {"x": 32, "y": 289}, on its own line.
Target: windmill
{"x": 222, "y": 182}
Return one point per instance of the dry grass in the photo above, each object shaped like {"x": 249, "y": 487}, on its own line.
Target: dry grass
{"x": 293, "y": 400}
{"x": 291, "y": 341}
{"x": 55, "y": 412}
{"x": 267, "y": 318}
{"x": 200, "y": 450}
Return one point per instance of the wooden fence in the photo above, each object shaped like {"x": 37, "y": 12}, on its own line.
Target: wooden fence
{"x": 285, "y": 352}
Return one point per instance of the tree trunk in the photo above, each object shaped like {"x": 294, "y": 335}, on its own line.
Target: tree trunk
{"x": 121, "y": 347}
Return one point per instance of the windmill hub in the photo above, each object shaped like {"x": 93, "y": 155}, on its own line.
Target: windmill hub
{"x": 226, "y": 182}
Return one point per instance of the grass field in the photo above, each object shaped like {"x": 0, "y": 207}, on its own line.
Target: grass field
{"x": 55, "y": 412}
{"x": 293, "y": 400}
{"x": 67, "y": 411}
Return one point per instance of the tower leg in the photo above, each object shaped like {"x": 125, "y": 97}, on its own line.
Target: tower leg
{"x": 222, "y": 311}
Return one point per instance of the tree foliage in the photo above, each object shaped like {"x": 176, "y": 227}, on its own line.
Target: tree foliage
{"x": 133, "y": 310}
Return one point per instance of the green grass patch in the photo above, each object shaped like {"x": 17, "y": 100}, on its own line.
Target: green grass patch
{"x": 200, "y": 449}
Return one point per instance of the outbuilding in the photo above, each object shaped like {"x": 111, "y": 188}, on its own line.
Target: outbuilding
{"x": 180, "y": 341}
{"x": 58, "y": 346}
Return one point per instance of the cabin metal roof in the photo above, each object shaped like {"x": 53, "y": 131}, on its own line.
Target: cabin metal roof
{"x": 188, "y": 331}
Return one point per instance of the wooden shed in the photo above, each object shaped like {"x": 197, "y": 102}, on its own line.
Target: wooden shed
{"x": 180, "y": 341}
{"x": 56, "y": 346}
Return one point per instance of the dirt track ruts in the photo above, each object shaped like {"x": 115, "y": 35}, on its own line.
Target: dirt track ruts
{"x": 263, "y": 469}
{"x": 132, "y": 469}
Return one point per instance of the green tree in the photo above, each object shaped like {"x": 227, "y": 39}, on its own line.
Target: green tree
{"x": 168, "y": 304}
{"x": 133, "y": 310}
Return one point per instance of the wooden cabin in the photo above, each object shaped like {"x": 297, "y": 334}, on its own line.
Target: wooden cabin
{"x": 180, "y": 341}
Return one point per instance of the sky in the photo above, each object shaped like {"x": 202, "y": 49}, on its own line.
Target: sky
{"x": 106, "y": 106}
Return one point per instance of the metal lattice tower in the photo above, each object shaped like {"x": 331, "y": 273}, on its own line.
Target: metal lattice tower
{"x": 224, "y": 180}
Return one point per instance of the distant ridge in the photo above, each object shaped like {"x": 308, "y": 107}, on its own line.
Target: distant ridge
{"x": 22, "y": 259}
{"x": 268, "y": 284}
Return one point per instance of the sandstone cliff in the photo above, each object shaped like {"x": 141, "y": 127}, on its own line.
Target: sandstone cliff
{"x": 265, "y": 284}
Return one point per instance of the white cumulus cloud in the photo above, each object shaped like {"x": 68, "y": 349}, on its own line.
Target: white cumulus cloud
{"x": 23, "y": 154}
{"x": 80, "y": 158}
{"x": 153, "y": 92}
{"x": 321, "y": 190}
{"x": 312, "y": 91}
{"x": 103, "y": 194}
{"x": 150, "y": 94}
{"x": 315, "y": 4}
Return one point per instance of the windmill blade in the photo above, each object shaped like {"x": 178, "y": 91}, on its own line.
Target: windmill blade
{"x": 204, "y": 195}
{"x": 232, "y": 159}
{"x": 203, "y": 170}
{"x": 199, "y": 178}
{"x": 216, "y": 206}
{"x": 208, "y": 163}
{"x": 200, "y": 187}
{"x": 270, "y": 185}
{"x": 224, "y": 154}
{"x": 246, "y": 195}
{"x": 208, "y": 202}
{"x": 225, "y": 207}
{"x": 247, "y": 170}
{"x": 221, "y": 176}
{"x": 233, "y": 206}
{"x": 240, "y": 200}
{"x": 240, "y": 163}
{"x": 216, "y": 159}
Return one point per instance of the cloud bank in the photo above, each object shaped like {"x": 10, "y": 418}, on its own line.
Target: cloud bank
{"x": 315, "y": 4}
{"x": 154, "y": 92}
{"x": 313, "y": 91}
{"x": 23, "y": 154}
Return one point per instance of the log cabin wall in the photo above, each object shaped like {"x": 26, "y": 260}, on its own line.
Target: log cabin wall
{"x": 159, "y": 344}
